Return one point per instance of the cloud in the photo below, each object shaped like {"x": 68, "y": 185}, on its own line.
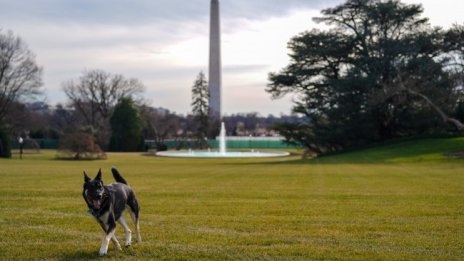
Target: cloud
{"x": 260, "y": 9}
{"x": 130, "y": 12}
{"x": 443, "y": 13}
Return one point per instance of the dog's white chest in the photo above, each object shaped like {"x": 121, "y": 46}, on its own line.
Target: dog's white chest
{"x": 103, "y": 219}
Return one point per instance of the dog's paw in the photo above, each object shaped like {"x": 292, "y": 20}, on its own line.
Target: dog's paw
{"x": 103, "y": 251}
{"x": 127, "y": 244}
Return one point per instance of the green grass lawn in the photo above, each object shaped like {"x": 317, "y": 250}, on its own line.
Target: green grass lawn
{"x": 397, "y": 202}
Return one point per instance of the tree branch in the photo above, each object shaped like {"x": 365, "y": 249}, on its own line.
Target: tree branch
{"x": 458, "y": 124}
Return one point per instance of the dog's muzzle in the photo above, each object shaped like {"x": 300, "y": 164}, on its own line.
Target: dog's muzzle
{"x": 96, "y": 203}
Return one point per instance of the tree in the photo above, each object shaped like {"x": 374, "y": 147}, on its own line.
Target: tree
{"x": 365, "y": 79}
{"x": 5, "y": 146}
{"x": 200, "y": 109}
{"x": 20, "y": 76}
{"x": 94, "y": 96}
{"x": 455, "y": 38}
{"x": 126, "y": 126}
{"x": 80, "y": 144}
{"x": 161, "y": 125}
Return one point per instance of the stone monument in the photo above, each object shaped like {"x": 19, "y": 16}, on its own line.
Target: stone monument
{"x": 215, "y": 61}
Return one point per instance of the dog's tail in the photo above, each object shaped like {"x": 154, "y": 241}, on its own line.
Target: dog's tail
{"x": 118, "y": 176}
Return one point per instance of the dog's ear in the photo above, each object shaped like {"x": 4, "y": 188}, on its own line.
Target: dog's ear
{"x": 99, "y": 175}
{"x": 86, "y": 178}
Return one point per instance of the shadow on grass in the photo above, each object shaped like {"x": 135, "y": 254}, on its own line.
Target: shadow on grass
{"x": 81, "y": 255}
{"x": 76, "y": 160}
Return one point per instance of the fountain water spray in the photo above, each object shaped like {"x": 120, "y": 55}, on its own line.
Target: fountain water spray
{"x": 222, "y": 139}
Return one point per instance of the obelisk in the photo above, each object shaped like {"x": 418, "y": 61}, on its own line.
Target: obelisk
{"x": 215, "y": 61}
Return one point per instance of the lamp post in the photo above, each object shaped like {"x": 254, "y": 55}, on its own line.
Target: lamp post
{"x": 21, "y": 142}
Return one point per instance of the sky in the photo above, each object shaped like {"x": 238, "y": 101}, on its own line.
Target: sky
{"x": 164, "y": 43}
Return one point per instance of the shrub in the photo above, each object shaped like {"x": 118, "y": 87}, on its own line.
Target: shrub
{"x": 79, "y": 146}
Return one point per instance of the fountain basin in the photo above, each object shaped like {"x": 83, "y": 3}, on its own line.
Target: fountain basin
{"x": 218, "y": 154}
{"x": 222, "y": 153}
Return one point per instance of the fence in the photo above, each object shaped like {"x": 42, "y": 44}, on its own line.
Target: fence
{"x": 34, "y": 143}
{"x": 231, "y": 142}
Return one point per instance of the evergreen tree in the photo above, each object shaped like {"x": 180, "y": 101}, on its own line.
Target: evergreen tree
{"x": 126, "y": 127}
{"x": 200, "y": 109}
{"x": 378, "y": 73}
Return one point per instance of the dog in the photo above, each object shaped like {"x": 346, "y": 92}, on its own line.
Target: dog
{"x": 107, "y": 203}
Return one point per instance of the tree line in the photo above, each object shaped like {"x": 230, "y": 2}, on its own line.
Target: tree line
{"x": 41, "y": 121}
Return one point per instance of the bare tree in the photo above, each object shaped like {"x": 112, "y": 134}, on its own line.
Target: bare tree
{"x": 94, "y": 96}
{"x": 20, "y": 76}
{"x": 161, "y": 126}
{"x": 96, "y": 93}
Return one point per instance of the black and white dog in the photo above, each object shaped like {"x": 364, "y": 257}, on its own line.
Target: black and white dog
{"x": 107, "y": 203}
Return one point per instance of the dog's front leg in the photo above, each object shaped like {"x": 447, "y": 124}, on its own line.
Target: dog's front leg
{"x": 123, "y": 222}
{"x": 109, "y": 235}
{"x": 114, "y": 239}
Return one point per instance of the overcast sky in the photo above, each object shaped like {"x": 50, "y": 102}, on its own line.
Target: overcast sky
{"x": 164, "y": 43}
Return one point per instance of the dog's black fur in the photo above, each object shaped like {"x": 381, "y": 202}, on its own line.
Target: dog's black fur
{"x": 107, "y": 203}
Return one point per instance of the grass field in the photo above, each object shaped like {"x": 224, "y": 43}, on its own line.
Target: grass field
{"x": 397, "y": 202}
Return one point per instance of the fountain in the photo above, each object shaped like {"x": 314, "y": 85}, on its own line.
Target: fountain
{"x": 222, "y": 139}
{"x": 222, "y": 152}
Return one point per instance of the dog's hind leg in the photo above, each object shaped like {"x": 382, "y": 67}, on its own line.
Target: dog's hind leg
{"x": 123, "y": 222}
{"x": 116, "y": 242}
{"x": 135, "y": 220}
{"x": 134, "y": 210}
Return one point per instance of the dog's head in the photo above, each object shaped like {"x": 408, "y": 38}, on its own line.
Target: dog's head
{"x": 94, "y": 191}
